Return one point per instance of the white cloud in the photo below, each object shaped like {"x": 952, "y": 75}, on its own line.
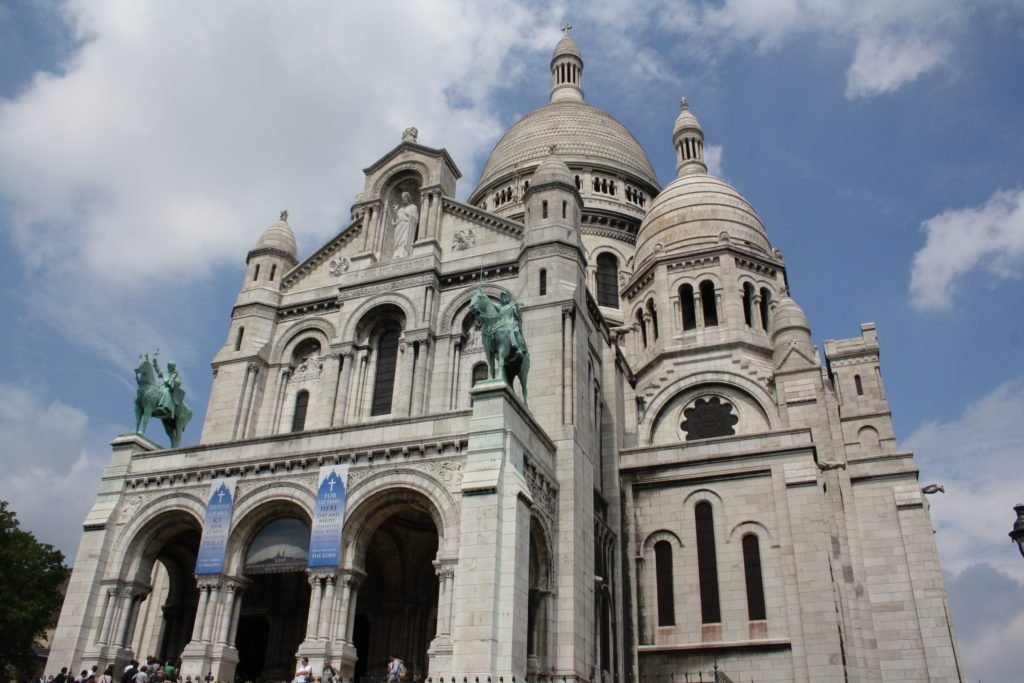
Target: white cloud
{"x": 175, "y": 134}
{"x": 977, "y": 456}
{"x": 893, "y": 43}
{"x": 49, "y": 479}
{"x": 989, "y": 237}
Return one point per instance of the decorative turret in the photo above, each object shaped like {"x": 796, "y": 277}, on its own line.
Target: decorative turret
{"x": 553, "y": 206}
{"x": 688, "y": 139}
{"x": 275, "y": 253}
{"x": 566, "y": 70}
{"x": 791, "y": 332}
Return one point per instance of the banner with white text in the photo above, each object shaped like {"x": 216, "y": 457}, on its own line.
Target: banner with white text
{"x": 216, "y": 526}
{"x": 328, "y": 516}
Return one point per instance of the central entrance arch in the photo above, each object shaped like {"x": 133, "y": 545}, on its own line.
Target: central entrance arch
{"x": 396, "y": 608}
{"x": 272, "y": 621}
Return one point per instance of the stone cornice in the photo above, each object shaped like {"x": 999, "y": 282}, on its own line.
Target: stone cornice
{"x": 308, "y": 307}
{"x": 482, "y": 217}
{"x": 270, "y": 251}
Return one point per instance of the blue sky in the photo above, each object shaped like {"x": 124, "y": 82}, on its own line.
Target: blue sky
{"x": 144, "y": 148}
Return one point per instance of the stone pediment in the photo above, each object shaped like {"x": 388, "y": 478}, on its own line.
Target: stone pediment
{"x": 794, "y": 360}
{"x": 330, "y": 259}
{"x": 468, "y": 231}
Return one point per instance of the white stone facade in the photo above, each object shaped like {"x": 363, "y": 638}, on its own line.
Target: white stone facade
{"x": 687, "y": 486}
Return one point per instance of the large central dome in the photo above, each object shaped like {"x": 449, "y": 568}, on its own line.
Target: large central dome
{"x": 582, "y": 133}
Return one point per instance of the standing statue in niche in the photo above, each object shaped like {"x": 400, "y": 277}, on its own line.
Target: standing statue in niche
{"x": 406, "y": 218}
{"x": 162, "y": 398}
{"x": 502, "y": 336}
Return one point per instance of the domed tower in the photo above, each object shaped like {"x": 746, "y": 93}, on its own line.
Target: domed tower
{"x": 701, "y": 296}
{"x": 240, "y": 364}
{"x": 609, "y": 169}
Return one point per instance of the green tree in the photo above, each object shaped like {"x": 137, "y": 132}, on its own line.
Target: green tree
{"x": 30, "y": 577}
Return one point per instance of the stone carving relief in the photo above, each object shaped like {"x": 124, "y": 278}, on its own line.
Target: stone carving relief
{"x": 447, "y": 471}
{"x": 128, "y": 509}
{"x": 340, "y": 266}
{"x": 463, "y": 240}
{"x": 542, "y": 490}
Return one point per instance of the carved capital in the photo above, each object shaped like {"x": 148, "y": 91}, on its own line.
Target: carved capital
{"x": 569, "y": 312}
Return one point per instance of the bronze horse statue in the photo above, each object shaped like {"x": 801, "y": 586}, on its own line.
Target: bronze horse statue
{"x": 164, "y": 399}
{"x": 502, "y": 336}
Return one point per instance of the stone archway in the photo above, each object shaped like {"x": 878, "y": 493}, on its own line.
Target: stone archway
{"x": 396, "y": 608}
{"x": 167, "y": 616}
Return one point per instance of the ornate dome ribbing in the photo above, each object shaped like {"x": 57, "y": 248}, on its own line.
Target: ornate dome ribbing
{"x": 584, "y": 134}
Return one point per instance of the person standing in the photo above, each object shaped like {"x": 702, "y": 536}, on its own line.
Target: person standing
{"x": 394, "y": 670}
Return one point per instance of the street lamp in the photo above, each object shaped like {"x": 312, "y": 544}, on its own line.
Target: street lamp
{"x": 1017, "y": 535}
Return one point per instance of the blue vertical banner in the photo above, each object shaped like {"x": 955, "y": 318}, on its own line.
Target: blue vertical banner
{"x": 328, "y": 516}
{"x": 216, "y": 526}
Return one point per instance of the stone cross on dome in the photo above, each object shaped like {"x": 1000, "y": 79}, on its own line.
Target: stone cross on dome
{"x": 566, "y": 28}
{"x": 284, "y": 215}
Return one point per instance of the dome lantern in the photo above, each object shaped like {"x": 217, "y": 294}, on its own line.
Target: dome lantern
{"x": 688, "y": 139}
{"x": 566, "y": 70}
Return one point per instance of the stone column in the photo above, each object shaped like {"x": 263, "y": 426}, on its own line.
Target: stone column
{"x": 457, "y": 342}
{"x": 755, "y": 311}
{"x": 316, "y": 596}
{"x": 698, "y": 308}
{"x": 204, "y": 602}
{"x": 438, "y": 212}
{"x": 354, "y": 582}
{"x": 121, "y": 617}
{"x": 245, "y": 402}
{"x": 423, "y": 229}
{"x": 110, "y": 603}
{"x": 401, "y": 398}
{"x": 568, "y": 359}
{"x": 356, "y": 399}
{"x": 420, "y": 386}
{"x": 211, "y": 612}
{"x": 235, "y": 615}
{"x": 677, "y": 314}
{"x": 227, "y": 614}
{"x": 327, "y": 609}
{"x": 340, "y": 405}
{"x": 282, "y": 386}
{"x": 332, "y": 371}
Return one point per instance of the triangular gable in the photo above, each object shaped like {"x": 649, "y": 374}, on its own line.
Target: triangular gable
{"x": 324, "y": 253}
{"x": 418, "y": 148}
{"x": 795, "y": 359}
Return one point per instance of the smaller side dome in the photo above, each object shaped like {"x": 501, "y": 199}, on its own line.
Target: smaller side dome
{"x": 279, "y": 237}
{"x": 789, "y": 316}
{"x": 553, "y": 170}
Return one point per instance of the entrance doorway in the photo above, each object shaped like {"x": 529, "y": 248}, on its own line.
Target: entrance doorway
{"x": 396, "y": 611}
{"x": 164, "y": 624}
{"x": 272, "y": 621}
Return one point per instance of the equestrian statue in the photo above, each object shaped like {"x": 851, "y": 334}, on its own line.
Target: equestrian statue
{"x": 502, "y": 336}
{"x": 162, "y": 398}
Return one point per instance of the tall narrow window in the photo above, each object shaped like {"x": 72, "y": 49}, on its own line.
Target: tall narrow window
{"x": 238, "y": 339}
{"x": 384, "y": 380}
{"x": 544, "y": 209}
{"x": 752, "y": 573}
{"x": 565, "y": 209}
{"x": 748, "y": 304}
{"x": 766, "y": 300}
{"x": 301, "y": 405}
{"x": 859, "y": 384}
{"x": 707, "y": 564}
{"x": 688, "y": 306}
{"x": 642, "y": 325}
{"x": 273, "y": 271}
{"x": 256, "y": 273}
{"x": 543, "y": 281}
{"x": 707, "y": 303}
{"x": 608, "y": 280}
{"x": 663, "y": 581}
{"x": 654, "y": 318}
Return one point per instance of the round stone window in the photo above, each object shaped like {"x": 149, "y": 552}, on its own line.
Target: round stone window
{"x": 707, "y": 417}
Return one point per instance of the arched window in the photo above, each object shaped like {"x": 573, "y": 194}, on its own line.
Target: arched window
{"x": 301, "y": 406}
{"x": 859, "y": 384}
{"x": 238, "y": 339}
{"x": 654, "y": 318}
{"x": 707, "y": 303}
{"x": 707, "y": 564}
{"x": 766, "y": 300}
{"x": 273, "y": 271}
{"x": 607, "y": 280}
{"x": 543, "y": 281}
{"x": 479, "y": 373}
{"x": 384, "y": 379}
{"x": 256, "y": 273}
{"x": 748, "y": 304}
{"x": 544, "y": 209}
{"x": 752, "y": 573}
{"x": 689, "y": 307}
{"x": 663, "y": 582}
{"x": 579, "y": 183}
{"x": 643, "y": 326}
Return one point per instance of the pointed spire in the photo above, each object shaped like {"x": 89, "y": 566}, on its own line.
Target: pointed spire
{"x": 688, "y": 139}
{"x": 566, "y": 69}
